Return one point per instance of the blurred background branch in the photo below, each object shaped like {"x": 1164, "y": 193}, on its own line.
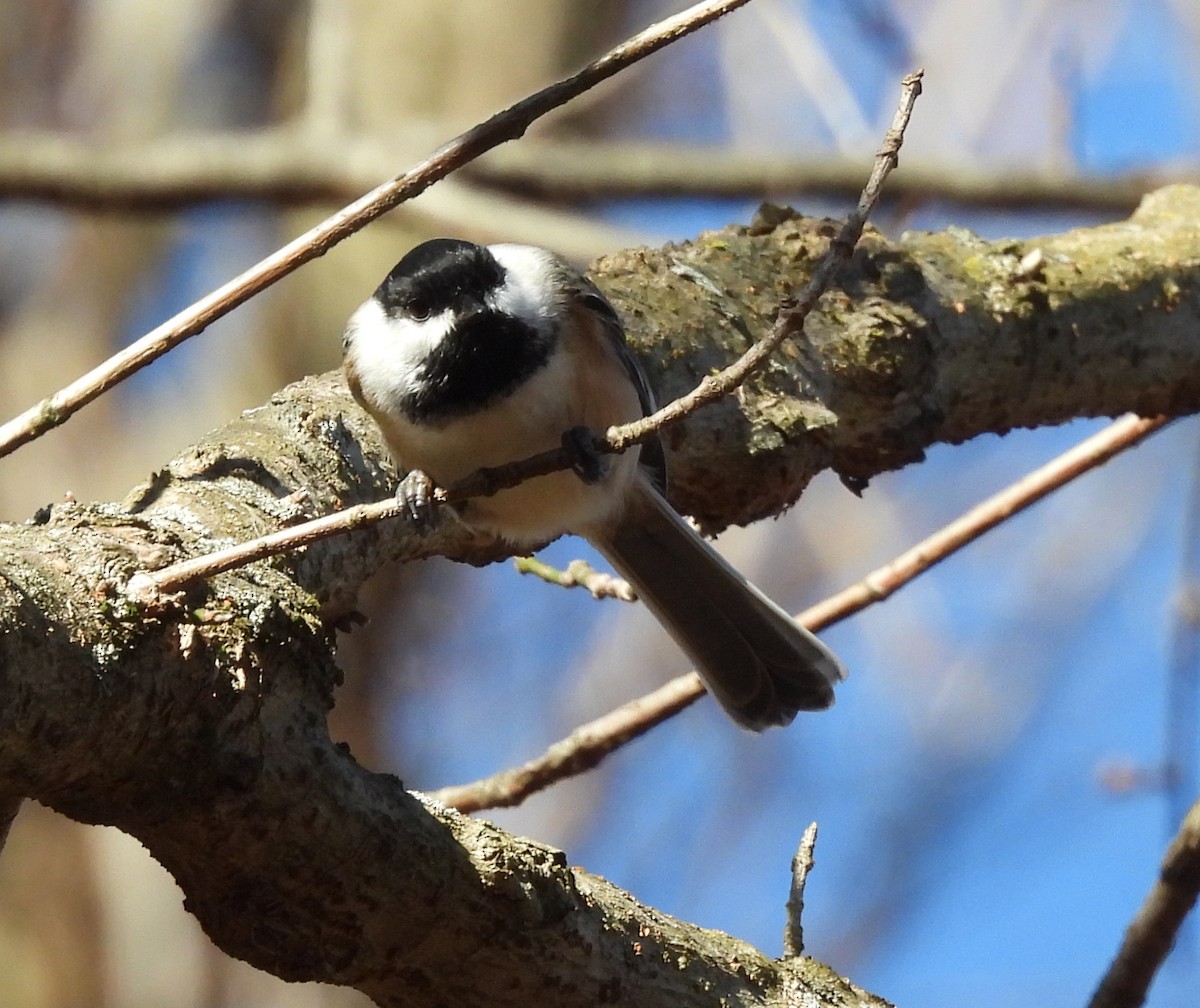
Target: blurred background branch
{"x": 293, "y": 167}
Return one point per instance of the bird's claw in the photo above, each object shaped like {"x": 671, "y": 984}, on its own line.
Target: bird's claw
{"x": 415, "y": 494}
{"x": 589, "y": 464}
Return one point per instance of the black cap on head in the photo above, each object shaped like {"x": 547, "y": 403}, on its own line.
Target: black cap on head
{"x": 437, "y": 275}
{"x": 478, "y": 353}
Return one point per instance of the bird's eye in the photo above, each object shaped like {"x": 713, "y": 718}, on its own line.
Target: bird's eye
{"x": 418, "y": 309}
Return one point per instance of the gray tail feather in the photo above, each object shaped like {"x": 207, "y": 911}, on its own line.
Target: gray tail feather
{"x": 758, "y": 662}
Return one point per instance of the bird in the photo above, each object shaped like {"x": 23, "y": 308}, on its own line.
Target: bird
{"x": 469, "y": 356}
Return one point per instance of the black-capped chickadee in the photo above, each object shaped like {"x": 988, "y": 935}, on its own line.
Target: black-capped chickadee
{"x": 470, "y": 356}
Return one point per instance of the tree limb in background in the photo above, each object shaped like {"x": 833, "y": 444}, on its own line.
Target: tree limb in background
{"x": 608, "y": 170}
{"x": 285, "y": 167}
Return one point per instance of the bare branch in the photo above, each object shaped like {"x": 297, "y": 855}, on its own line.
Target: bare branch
{"x": 802, "y": 864}
{"x": 884, "y": 581}
{"x": 585, "y": 748}
{"x": 507, "y": 125}
{"x": 579, "y": 574}
{"x": 148, "y": 586}
{"x": 791, "y": 318}
{"x": 1152, "y": 933}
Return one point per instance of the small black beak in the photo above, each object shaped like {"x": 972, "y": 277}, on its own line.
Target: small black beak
{"x": 468, "y": 308}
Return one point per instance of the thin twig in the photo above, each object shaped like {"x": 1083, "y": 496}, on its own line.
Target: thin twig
{"x": 791, "y": 317}
{"x": 579, "y": 574}
{"x": 488, "y": 481}
{"x": 506, "y": 125}
{"x": 1152, "y": 932}
{"x": 146, "y": 586}
{"x": 802, "y": 864}
{"x": 580, "y": 751}
{"x": 883, "y": 582}
{"x": 588, "y": 745}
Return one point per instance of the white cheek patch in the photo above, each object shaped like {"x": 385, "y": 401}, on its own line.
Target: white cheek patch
{"x": 528, "y": 292}
{"x": 388, "y": 353}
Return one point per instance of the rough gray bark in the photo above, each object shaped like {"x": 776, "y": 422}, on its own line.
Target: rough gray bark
{"x": 199, "y": 726}
{"x": 934, "y": 338}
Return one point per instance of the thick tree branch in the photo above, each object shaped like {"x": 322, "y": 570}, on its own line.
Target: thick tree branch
{"x": 198, "y": 726}
{"x": 934, "y": 338}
